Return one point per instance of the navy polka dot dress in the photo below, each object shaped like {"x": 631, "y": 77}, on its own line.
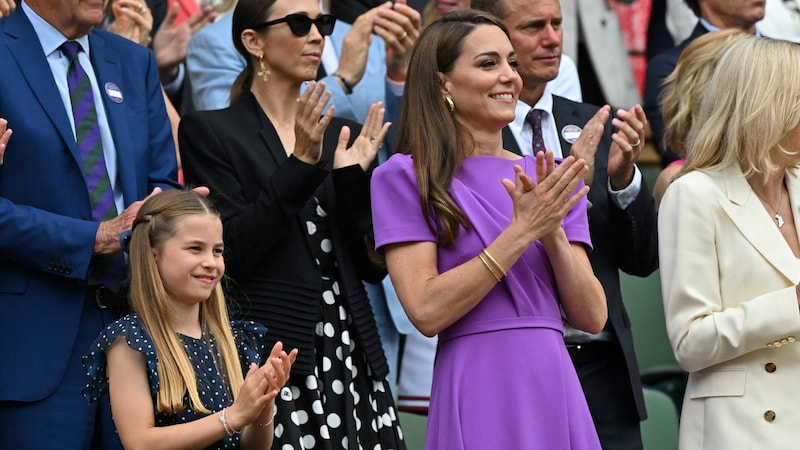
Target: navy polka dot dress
{"x": 203, "y": 354}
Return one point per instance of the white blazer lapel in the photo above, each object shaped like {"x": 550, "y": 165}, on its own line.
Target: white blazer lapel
{"x": 758, "y": 227}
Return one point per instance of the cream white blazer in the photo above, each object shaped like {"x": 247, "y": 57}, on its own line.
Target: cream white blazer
{"x": 728, "y": 282}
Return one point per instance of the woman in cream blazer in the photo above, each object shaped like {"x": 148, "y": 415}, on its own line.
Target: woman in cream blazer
{"x": 730, "y": 255}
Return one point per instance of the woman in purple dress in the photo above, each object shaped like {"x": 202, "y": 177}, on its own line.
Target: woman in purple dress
{"x": 487, "y": 249}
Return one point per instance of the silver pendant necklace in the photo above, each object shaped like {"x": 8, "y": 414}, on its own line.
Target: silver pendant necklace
{"x": 778, "y": 217}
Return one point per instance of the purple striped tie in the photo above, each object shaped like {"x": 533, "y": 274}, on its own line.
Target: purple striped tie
{"x": 535, "y": 119}
{"x": 108, "y": 268}
{"x": 87, "y": 133}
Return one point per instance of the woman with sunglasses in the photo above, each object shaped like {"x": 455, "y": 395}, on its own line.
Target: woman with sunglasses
{"x": 292, "y": 185}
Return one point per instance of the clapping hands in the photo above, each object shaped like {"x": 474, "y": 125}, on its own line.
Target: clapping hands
{"x": 310, "y": 123}
{"x": 399, "y": 25}
{"x": 132, "y": 20}
{"x": 541, "y": 205}
{"x": 627, "y": 145}
{"x": 366, "y": 145}
{"x": 260, "y": 388}
{"x": 7, "y": 7}
{"x": 5, "y": 135}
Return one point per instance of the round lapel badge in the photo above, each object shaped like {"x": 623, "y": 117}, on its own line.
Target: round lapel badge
{"x": 113, "y": 92}
{"x": 570, "y": 133}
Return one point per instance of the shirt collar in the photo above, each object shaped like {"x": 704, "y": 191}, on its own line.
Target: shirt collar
{"x": 710, "y": 27}
{"x": 545, "y": 103}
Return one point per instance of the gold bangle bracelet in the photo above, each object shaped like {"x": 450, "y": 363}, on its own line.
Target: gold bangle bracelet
{"x": 269, "y": 422}
{"x": 494, "y": 261}
{"x": 486, "y": 263}
{"x": 266, "y": 424}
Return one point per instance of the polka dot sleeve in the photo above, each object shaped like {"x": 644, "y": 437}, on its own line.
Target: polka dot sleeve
{"x": 250, "y": 340}
{"x": 94, "y": 361}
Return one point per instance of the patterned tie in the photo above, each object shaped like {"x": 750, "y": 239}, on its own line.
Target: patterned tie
{"x": 535, "y": 119}
{"x": 109, "y": 269}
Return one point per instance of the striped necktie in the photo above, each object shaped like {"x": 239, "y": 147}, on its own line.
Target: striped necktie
{"x": 534, "y": 117}
{"x": 109, "y": 269}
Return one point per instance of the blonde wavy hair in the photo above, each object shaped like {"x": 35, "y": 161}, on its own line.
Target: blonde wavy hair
{"x": 751, "y": 105}
{"x": 156, "y": 222}
{"x": 684, "y": 87}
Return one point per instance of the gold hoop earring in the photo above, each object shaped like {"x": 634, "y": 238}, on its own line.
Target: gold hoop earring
{"x": 264, "y": 72}
{"x": 450, "y": 105}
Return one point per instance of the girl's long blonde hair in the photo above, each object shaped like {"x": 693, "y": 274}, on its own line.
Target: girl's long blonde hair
{"x": 155, "y": 223}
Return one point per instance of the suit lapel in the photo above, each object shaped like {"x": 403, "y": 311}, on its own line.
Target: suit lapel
{"x": 268, "y": 133}
{"x": 509, "y": 142}
{"x": 747, "y": 213}
{"x": 698, "y": 31}
{"x": 28, "y": 53}
{"x": 565, "y": 115}
{"x": 108, "y": 71}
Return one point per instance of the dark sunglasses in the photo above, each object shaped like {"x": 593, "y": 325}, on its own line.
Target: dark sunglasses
{"x": 300, "y": 24}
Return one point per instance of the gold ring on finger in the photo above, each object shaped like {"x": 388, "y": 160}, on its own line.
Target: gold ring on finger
{"x": 405, "y": 35}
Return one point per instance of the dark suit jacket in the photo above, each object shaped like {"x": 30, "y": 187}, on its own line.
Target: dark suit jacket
{"x": 657, "y": 70}
{"x": 623, "y": 240}
{"x": 46, "y": 231}
{"x": 260, "y": 192}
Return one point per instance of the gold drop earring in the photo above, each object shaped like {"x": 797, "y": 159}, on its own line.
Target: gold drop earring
{"x": 450, "y": 104}
{"x": 264, "y": 72}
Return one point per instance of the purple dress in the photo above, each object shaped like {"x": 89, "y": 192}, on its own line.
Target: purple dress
{"x": 503, "y": 377}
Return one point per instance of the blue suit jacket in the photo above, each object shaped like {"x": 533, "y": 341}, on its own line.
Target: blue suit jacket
{"x": 213, "y": 63}
{"x": 46, "y": 232}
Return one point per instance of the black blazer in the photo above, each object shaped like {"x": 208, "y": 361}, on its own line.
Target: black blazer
{"x": 260, "y": 193}
{"x": 658, "y": 69}
{"x": 623, "y": 239}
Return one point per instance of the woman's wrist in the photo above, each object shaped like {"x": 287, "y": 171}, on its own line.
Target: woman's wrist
{"x": 266, "y": 417}
{"x": 229, "y": 423}
{"x": 346, "y": 84}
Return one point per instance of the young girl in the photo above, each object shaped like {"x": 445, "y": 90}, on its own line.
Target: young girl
{"x": 173, "y": 365}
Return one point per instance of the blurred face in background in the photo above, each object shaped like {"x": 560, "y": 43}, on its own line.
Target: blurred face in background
{"x": 535, "y": 30}
{"x": 741, "y": 14}
{"x": 73, "y": 18}
{"x": 445, "y": 6}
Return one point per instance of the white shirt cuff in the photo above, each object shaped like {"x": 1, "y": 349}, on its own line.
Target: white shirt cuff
{"x": 626, "y": 196}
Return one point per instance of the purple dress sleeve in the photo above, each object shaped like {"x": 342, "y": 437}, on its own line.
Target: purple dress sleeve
{"x": 396, "y": 211}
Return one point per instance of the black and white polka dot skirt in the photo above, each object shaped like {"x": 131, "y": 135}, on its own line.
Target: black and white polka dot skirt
{"x": 341, "y": 405}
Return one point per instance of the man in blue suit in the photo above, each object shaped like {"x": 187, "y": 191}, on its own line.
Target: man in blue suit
{"x": 51, "y": 309}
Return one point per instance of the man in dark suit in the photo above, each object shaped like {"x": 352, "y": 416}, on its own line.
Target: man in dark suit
{"x": 713, "y": 15}
{"x": 54, "y": 300}
{"x": 622, "y": 215}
